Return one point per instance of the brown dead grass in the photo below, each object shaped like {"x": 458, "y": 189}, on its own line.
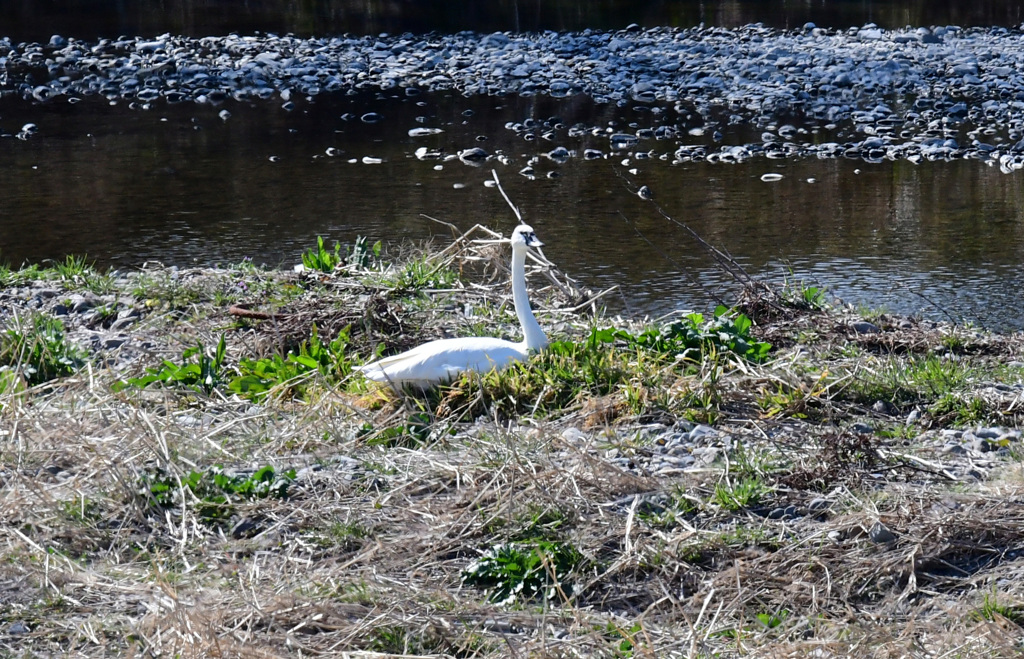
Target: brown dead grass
{"x": 364, "y": 557}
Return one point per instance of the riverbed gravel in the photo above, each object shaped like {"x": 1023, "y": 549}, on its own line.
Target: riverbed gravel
{"x": 706, "y": 93}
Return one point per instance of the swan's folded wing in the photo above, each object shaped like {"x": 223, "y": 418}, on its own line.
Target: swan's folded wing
{"x": 444, "y": 359}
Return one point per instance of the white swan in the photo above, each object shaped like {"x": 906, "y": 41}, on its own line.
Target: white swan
{"x": 442, "y": 360}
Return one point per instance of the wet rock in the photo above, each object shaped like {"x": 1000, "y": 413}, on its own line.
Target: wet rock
{"x": 423, "y": 132}
{"x": 559, "y": 154}
{"x": 473, "y": 155}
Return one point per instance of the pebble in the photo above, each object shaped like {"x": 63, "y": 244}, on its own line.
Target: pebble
{"x": 880, "y": 533}
{"x": 864, "y": 327}
{"x": 113, "y": 342}
{"x": 701, "y": 431}
{"x": 980, "y": 445}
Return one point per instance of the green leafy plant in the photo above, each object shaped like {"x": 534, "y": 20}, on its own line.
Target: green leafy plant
{"x": 412, "y": 433}
{"x": 422, "y": 273}
{"x": 197, "y": 370}
{"x": 77, "y": 272}
{"x": 212, "y": 491}
{"x": 637, "y": 369}
{"x": 322, "y": 259}
{"x": 10, "y": 381}
{"x": 625, "y": 639}
{"x": 693, "y": 337}
{"x": 906, "y": 380}
{"x": 362, "y": 256}
{"x": 772, "y": 620}
{"x": 992, "y": 609}
{"x": 72, "y": 267}
{"x": 38, "y": 349}
{"x": 287, "y": 375}
{"x": 740, "y": 495}
{"x": 959, "y": 410}
{"x": 524, "y": 571}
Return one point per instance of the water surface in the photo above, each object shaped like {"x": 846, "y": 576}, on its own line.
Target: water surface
{"x": 179, "y": 184}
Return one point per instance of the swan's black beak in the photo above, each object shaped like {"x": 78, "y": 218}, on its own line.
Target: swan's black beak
{"x": 532, "y": 240}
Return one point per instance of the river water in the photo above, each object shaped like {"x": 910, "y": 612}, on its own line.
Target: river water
{"x": 182, "y": 184}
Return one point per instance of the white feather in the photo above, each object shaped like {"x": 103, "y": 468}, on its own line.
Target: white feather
{"x": 442, "y": 360}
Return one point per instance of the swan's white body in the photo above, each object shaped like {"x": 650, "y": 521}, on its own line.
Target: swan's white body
{"x": 442, "y": 360}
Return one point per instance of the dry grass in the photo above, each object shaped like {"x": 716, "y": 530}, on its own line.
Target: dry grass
{"x": 365, "y": 555}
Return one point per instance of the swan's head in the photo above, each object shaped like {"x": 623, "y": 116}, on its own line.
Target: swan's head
{"x": 523, "y": 237}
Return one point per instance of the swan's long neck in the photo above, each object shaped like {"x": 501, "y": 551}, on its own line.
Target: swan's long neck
{"x": 533, "y": 335}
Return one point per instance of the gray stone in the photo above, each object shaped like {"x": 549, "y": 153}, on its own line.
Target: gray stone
{"x": 704, "y": 456}
{"x": 882, "y": 407}
{"x": 880, "y": 533}
{"x": 46, "y": 293}
{"x": 130, "y": 312}
{"x": 123, "y": 323}
{"x": 702, "y": 431}
{"x": 864, "y": 327}
{"x": 980, "y": 445}
{"x": 80, "y": 303}
{"x": 862, "y": 428}
{"x": 574, "y": 435}
{"x": 113, "y": 342}
{"x": 953, "y": 449}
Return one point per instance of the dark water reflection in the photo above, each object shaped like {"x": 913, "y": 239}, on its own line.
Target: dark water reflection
{"x": 92, "y": 19}
{"x": 180, "y": 185}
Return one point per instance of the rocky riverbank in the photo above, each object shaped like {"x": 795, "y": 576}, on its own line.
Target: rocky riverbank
{"x": 173, "y": 481}
{"x": 940, "y": 93}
